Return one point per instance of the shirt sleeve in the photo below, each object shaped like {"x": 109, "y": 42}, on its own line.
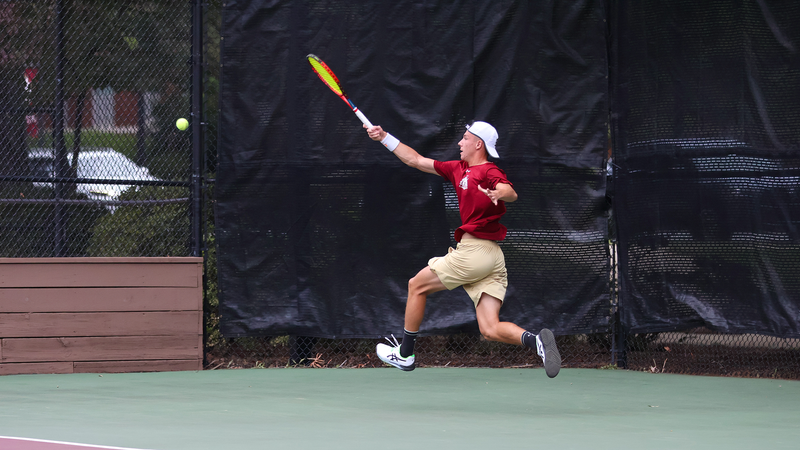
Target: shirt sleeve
{"x": 446, "y": 169}
{"x": 495, "y": 175}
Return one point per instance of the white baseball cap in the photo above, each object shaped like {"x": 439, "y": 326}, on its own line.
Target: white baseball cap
{"x": 486, "y": 132}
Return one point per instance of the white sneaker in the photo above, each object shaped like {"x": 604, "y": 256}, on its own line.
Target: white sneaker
{"x": 546, "y": 348}
{"x": 390, "y": 354}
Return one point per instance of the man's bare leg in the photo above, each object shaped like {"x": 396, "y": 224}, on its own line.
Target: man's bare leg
{"x": 424, "y": 282}
{"x": 488, "y": 313}
{"x": 402, "y": 355}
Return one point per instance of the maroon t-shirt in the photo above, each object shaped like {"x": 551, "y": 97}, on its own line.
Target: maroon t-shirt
{"x": 479, "y": 216}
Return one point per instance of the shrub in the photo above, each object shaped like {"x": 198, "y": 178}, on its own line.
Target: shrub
{"x": 151, "y": 226}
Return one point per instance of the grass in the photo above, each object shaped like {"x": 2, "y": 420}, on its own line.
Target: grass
{"x": 124, "y": 143}
{"x": 164, "y": 159}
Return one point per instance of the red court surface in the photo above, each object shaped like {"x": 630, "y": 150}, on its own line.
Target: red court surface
{"x": 12, "y": 443}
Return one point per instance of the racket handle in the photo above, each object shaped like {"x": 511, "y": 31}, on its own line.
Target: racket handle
{"x": 363, "y": 118}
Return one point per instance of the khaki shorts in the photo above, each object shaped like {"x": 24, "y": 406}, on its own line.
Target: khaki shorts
{"x": 476, "y": 264}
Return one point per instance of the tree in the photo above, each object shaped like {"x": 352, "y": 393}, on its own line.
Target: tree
{"x": 137, "y": 46}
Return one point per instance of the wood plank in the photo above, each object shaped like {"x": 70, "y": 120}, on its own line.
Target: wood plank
{"x": 35, "y": 368}
{"x": 100, "y": 324}
{"x": 99, "y": 275}
{"x": 123, "y": 348}
{"x": 100, "y": 299}
{"x": 107, "y": 260}
{"x": 138, "y": 366}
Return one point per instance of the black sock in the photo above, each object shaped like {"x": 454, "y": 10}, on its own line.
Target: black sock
{"x": 528, "y": 339}
{"x": 407, "y": 346}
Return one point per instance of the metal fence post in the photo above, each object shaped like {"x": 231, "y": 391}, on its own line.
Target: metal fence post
{"x": 196, "y": 204}
{"x": 61, "y": 163}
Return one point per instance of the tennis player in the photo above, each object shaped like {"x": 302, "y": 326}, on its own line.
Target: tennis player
{"x": 477, "y": 263}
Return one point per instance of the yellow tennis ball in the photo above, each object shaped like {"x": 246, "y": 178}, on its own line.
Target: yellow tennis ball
{"x": 182, "y": 124}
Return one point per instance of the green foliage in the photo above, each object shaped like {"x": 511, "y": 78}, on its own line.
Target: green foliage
{"x": 27, "y": 229}
{"x": 279, "y": 341}
{"x": 210, "y": 298}
{"x": 138, "y": 46}
{"x": 124, "y": 143}
{"x": 148, "y": 228}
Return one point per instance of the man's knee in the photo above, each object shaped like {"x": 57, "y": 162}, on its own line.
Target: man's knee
{"x": 488, "y": 331}
{"x": 425, "y": 282}
{"x": 413, "y": 283}
{"x": 417, "y": 285}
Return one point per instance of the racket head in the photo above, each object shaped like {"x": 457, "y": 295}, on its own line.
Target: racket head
{"x": 326, "y": 75}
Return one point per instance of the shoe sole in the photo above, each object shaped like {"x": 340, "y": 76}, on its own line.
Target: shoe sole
{"x": 403, "y": 368}
{"x": 552, "y": 360}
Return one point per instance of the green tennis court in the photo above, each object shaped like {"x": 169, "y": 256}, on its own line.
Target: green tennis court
{"x": 385, "y": 408}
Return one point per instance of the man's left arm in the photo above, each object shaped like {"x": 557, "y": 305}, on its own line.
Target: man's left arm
{"x": 502, "y": 192}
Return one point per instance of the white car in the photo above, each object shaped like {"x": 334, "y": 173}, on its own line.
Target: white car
{"x": 100, "y": 163}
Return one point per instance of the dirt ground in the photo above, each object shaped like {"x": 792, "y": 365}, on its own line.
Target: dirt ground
{"x": 651, "y": 353}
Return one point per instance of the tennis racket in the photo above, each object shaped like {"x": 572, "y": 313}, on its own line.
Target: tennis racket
{"x": 327, "y": 76}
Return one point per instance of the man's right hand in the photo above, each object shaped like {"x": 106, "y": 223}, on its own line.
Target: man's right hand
{"x": 375, "y": 133}
{"x": 408, "y": 155}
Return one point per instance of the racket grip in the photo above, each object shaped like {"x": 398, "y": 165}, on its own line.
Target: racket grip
{"x": 363, "y": 118}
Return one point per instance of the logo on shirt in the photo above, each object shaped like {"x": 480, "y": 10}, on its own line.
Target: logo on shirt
{"x": 464, "y": 184}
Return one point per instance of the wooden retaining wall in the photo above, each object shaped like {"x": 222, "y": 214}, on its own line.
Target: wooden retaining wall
{"x": 65, "y": 315}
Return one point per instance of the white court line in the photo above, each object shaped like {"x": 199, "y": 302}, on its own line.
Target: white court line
{"x": 44, "y": 441}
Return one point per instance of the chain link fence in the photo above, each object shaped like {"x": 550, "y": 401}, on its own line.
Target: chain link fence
{"x": 700, "y": 351}
{"x": 91, "y": 164}
{"x": 697, "y": 351}
{"x": 458, "y": 350}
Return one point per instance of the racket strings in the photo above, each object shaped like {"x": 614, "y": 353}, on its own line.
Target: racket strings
{"x": 325, "y": 74}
